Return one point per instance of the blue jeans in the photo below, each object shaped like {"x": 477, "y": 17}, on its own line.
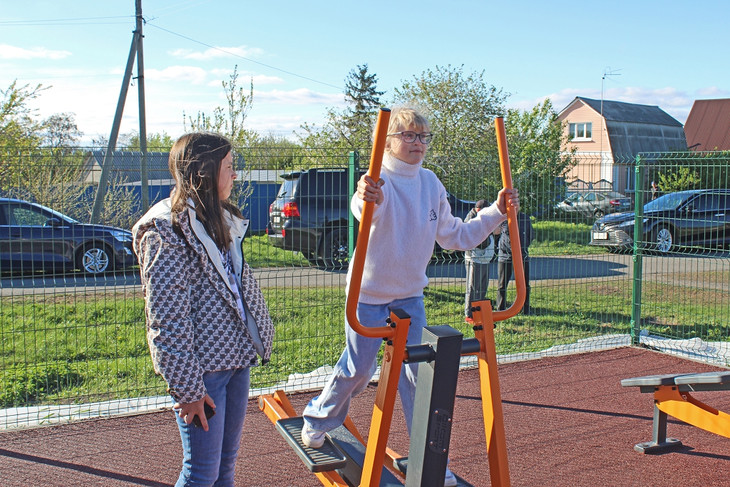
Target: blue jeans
{"x": 357, "y": 364}
{"x": 209, "y": 457}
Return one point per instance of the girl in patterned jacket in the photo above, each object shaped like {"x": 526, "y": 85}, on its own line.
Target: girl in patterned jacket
{"x": 207, "y": 322}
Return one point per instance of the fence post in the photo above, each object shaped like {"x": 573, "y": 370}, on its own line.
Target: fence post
{"x": 637, "y": 250}
{"x": 353, "y": 174}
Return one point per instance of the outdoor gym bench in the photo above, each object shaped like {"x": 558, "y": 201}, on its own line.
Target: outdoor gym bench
{"x": 672, "y": 397}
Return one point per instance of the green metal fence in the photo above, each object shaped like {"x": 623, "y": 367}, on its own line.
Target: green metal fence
{"x": 73, "y": 346}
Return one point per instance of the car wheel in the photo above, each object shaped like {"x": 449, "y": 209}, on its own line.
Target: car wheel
{"x": 598, "y": 214}
{"x": 94, "y": 259}
{"x": 662, "y": 240}
{"x": 335, "y": 251}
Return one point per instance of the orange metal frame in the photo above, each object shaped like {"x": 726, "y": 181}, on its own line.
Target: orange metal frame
{"x": 277, "y": 406}
{"x": 683, "y": 406}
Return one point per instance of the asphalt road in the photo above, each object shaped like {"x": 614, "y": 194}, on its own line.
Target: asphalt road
{"x": 541, "y": 268}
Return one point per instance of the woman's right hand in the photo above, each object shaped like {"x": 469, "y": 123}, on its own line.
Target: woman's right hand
{"x": 188, "y": 411}
{"x": 369, "y": 190}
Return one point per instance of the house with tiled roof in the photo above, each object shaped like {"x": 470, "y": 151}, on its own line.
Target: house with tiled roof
{"x": 126, "y": 171}
{"x": 607, "y": 135}
{"x": 708, "y": 125}
{"x": 126, "y": 167}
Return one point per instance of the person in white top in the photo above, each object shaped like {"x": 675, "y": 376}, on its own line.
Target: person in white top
{"x": 411, "y": 213}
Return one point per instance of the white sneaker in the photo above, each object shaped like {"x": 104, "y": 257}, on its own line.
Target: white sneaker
{"x": 312, "y": 438}
{"x": 450, "y": 479}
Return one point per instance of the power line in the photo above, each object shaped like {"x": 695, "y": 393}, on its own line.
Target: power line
{"x": 244, "y": 58}
{"x": 118, "y": 19}
{"x": 67, "y": 21}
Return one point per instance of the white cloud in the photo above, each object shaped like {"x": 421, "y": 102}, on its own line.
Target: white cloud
{"x": 712, "y": 92}
{"x": 301, "y": 96}
{"x": 188, "y": 74}
{"x": 262, "y": 79}
{"x": 674, "y": 101}
{"x": 13, "y": 52}
{"x": 244, "y": 77}
{"x": 218, "y": 52}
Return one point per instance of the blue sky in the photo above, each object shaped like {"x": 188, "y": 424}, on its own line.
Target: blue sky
{"x": 298, "y": 54}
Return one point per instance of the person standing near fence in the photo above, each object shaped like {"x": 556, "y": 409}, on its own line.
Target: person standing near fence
{"x": 207, "y": 322}
{"x": 477, "y": 262}
{"x": 411, "y": 213}
{"x": 505, "y": 268}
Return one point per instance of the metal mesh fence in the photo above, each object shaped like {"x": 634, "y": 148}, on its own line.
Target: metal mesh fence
{"x": 72, "y": 342}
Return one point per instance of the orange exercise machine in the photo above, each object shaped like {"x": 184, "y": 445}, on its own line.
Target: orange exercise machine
{"x": 346, "y": 459}
{"x": 673, "y": 397}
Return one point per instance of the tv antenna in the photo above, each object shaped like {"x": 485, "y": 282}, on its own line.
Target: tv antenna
{"x": 607, "y": 72}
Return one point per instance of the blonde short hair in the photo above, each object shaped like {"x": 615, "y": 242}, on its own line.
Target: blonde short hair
{"x": 402, "y": 118}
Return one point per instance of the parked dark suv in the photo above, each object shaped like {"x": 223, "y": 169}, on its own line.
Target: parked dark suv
{"x": 692, "y": 218}
{"x": 310, "y": 213}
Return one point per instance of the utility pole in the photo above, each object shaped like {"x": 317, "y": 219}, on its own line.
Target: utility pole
{"x": 134, "y": 50}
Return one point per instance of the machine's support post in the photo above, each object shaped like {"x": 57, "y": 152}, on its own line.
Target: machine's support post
{"x": 393, "y": 355}
{"x": 491, "y": 395}
{"x": 434, "y": 408}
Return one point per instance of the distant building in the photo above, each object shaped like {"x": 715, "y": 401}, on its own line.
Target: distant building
{"x": 126, "y": 170}
{"x": 607, "y": 135}
{"x": 708, "y": 125}
{"x": 126, "y": 167}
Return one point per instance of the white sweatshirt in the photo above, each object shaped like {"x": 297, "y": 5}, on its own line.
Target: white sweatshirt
{"x": 413, "y": 215}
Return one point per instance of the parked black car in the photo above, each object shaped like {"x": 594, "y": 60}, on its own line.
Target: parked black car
{"x": 683, "y": 219}
{"x": 34, "y": 237}
{"x": 310, "y": 215}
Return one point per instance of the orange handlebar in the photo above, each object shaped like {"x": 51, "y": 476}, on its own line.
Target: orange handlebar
{"x": 353, "y": 295}
{"x": 514, "y": 231}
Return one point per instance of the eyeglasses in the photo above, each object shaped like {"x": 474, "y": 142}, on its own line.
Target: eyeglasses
{"x": 409, "y": 137}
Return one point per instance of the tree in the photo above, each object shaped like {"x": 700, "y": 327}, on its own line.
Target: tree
{"x": 364, "y": 99}
{"x": 272, "y": 152}
{"x": 352, "y": 127}
{"x": 679, "y": 178}
{"x": 18, "y": 126}
{"x": 229, "y": 120}
{"x": 461, "y": 109}
{"x": 60, "y": 131}
{"x": 534, "y": 139}
{"x": 155, "y": 142}
{"x": 19, "y": 134}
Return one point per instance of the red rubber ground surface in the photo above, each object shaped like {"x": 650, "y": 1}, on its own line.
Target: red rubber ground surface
{"x": 568, "y": 422}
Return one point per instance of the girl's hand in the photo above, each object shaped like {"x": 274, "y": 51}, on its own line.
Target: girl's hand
{"x": 508, "y": 198}
{"x": 369, "y": 190}
{"x": 188, "y": 411}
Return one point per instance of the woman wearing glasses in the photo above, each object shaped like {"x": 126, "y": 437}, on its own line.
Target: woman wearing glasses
{"x": 410, "y": 215}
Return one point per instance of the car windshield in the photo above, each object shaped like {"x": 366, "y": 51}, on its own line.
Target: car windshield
{"x": 668, "y": 201}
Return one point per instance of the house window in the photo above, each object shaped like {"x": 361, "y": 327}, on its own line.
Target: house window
{"x": 580, "y": 131}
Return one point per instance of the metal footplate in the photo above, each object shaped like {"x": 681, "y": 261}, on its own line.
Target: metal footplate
{"x": 323, "y": 459}
{"x": 355, "y": 453}
{"x": 402, "y": 464}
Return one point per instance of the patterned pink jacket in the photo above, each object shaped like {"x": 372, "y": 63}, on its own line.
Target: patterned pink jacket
{"x": 193, "y": 322}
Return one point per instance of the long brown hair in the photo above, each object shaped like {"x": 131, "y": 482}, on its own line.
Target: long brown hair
{"x": 195, "y": 163}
